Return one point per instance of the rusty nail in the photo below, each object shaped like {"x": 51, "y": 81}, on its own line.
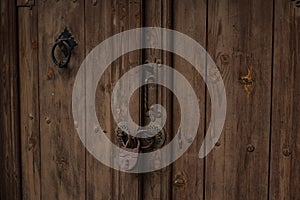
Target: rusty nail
{"x": 30, "y": 116}
{"x": 286, "y": 152}
{"x": 50, "y": 73}
{"x": 179, "y": 180}
{"x": 48, "y": 121}
{"x": 250, "y": 148}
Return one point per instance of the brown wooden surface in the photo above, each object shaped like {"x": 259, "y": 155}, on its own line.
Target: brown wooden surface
{"x": 29, "y": 95}
{"x": 10, "y": 173}
{"x": 189, "y": 168}
{"x": 62, "y": 153}
{"x": 157, "y": 13}
{"x": 240, "y": 42}
{"x": 126, "y": 15}
{"x": 99, "y": 178}
{"x": 285, "y": 140}
{"x": 254, "y": 43}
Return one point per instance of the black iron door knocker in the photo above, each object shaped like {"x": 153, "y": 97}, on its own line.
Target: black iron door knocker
{"x": 66, "y": 43}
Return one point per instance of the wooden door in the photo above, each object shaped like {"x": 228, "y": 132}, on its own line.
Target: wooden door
{"x": 242, "y": 37}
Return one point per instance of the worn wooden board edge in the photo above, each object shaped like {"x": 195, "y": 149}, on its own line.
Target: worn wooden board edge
{"x": 10, "y": 183}
{"x": 188, "y": 177}
{"x": 62, "y": 152}
{"x": 29, "y": 103}
{"x": 243, "y": 151}
{"x": 156, "y": 185}
{"x": 284, "y": 177}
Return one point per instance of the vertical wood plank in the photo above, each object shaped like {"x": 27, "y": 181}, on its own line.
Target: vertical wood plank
{"x": 127, "y": 16}
{"x": 29, "y": 108}
{"x": 110, "y": 18}
{"x": 285, "y": 140}
{"x": 62, "y": 152}
{"x": 190, "y": 19}
{"x": 10, "y": 183}
{"x": 99, "y": 178}
{"x": 157, "y": 13}
{"x": 240, "y": 42}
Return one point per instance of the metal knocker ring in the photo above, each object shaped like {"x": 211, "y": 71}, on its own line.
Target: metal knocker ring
{"x": 66, "y": 50}
{"x": 66, "y": 43}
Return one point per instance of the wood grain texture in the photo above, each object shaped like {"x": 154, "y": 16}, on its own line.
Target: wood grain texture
{"x": 126, "y": 15}
{"x": 285, "y": 140}
{"x": 240, "y": 42}
{"x": 257, "y": 156}
{"x": 62, "y": 152}
{"x": 98, "y": 20}
{"x": 10, "y": 170}
{"x": 111, "y": 18}
{"x": 157, "y": 13}
{"x": 29, "y": 108}
{"x": 190, "y": 19}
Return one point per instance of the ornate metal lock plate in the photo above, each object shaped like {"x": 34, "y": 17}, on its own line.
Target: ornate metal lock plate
{"x": 155, "y": 142}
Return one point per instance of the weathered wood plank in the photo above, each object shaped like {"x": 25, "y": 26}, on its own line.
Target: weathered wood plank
{"x": 62, "y": 152}
{"x": 285, "y": 140}
{"x": 190, "y": 19}
{"x": 112, "y": 17}
{"x": 10, "y": 170}
{"x": 157, "y": 13}
{"x": 127, "y": 16}
{"x": 29, "y": 108}
{"x": 98, "y": 20}
{"x": 240, "y": 42}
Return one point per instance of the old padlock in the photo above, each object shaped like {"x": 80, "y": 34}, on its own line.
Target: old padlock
{"x": 128, "y": 157}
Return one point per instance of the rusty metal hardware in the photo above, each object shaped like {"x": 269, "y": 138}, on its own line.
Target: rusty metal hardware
{"x": 180, "y": 180}
{"x": 66, "y": 43}
{"x": 122, "y": 133}
{"x": 155, "y": 142}
{"x": 250, "y": 148}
